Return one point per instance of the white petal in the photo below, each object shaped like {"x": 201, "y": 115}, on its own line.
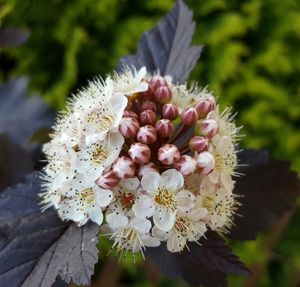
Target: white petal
{"x": 185, "y": 199}
{"x": 131, "y": 184}
{"x": 150, "y": 182}
{"x": 118, "y": 104}
{"x": 164, "y": 219}
{"x": 95, "y": 214}
{"x": 69, "y": 209}
{"x": 144, "y": 206}
{"x": 150, "y": 241}
{"x": 116, "y": 221}
{"x": 227, "y": 181}
{"x": 103, "y": 196}
{"x": 172, "y": 179}
{"x": 143, "y": 225}
{"x": 198, "y": 213}
{"x": 161, "y": 235}
{"x": 176, "y": 243}
{"x": 141, "y": 74}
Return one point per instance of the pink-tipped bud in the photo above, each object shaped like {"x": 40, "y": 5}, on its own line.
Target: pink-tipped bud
{"x": 124, "y": 167}
{"x": 169, "y": 111}
{"x": 128, "y": 127}
{"x": 149, "y": 94}
{"x": 164, "y": 128}
{"x": 198, "y": 143}
{"x": 130, "y": 114}
{"x": 147, "y": 117}
{"x": 206, "y": 106}
{"x": 207, "y": 128}
{"x": 139, "y": 153}
{"x": 189, "y": 116}
{"x": 168, "y": 154}
{"x": 146, "y": 134}
{"x": 148, "y": 105}
{"x": 186, "y": 165}
{"x": 146, "y": 168}
{"x": 205, "y": 162}
{"x": 108, "y": 180}
{"x": 163, "y": 95}
{"x": 157, "y": 82}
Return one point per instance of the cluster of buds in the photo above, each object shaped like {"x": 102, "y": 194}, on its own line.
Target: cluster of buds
{"x": 136, "y": 147}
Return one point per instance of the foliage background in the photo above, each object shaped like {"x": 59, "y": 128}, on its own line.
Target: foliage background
{"x": 251, "y": 60}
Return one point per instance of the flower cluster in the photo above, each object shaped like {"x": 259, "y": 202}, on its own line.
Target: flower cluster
{"x": 150, "y": 160}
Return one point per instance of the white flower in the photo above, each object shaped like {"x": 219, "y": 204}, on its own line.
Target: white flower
{"x": 185, "y": 229}
{"x": 134, "y": 237}
{"x": 86, "y": 204}
{"x": 130, "y": 81}
{"x": 167, "y": 198}
{"x": 99, "y": 110}
{"x": 221, "y": 206}
{"x": 124, "y": 197}
{"x": 92, "y": 159}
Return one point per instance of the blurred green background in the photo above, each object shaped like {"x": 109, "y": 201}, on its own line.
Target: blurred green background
{"x": 251, "y": 60}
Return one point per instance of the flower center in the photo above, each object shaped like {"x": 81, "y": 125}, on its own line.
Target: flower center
{"x": 88, "y": 195}
{"x": 127, "y": 200}
{"x": 103, "y": 119}
{"x": 182, "y": 225}
{"x": 166, "y": 198}
{"x": 99, "y": 154}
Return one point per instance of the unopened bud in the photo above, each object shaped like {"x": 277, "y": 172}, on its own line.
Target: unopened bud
{"x": 157, "y": 82}
{"x": 198, "y": 144}
{"x": 205, "y": 162}
{"x": 148, "y": 105}
{"x": 124, "y": 167}
{"x": 139, "y": 153}
{"x": 169, "y": 111}
{"x": 147, "y": 117}
{"x": 186, "y": 165}
{"x": 208, "y": 128}
{"x": 206, "y": 106}
{"x": 146, "y": 168}
{"x": 164, "y": 128}
{"x": 146, "y": 134}
{"x": 128, "y": 127}
{"x": 168, "y": 154}
{"x": 189, "y": 116}
{"x": 130, "y": 114}
{"x": 108, "y": 180}
{"x": 163, "y": 95}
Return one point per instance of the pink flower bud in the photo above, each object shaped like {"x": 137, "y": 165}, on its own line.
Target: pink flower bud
{"x": 206, "y": 162}
{"x": 205, "y": 106}
{"x": 139, "y": 153}
{"x": 146, "y": 134}
{"x": 207, "y": 128}
{"x": 149, "y": 94}
{"x": 157, "y": 82}
{"x": 124, "y": 167}
{"x": 189, "y": 116}
{"x": 148, "y": 105}
{"x": 164, "y": 128}
{"x": 147, "y": 117}
{"x": 130, "y": 114}
{"x": 163, "y": 95}
{"x": 146, "y": 168}
{"x": 128, "y": 127}
{"x": 186, "y": 165}
{"x": 168, "y": 153}
{"x": 198, "y": 143}
{"x": 169, "y": 111}
{"x": 108, "y": 180}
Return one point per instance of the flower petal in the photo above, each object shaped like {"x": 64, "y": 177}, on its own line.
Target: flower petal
{"x": 143, "y": 225}
{"x": 103, "y": 196}
{"x": 164, "y": 219}
{"x": 172, "y": 179}
{"x": 95, "y": 214}
{"x": 116, "y": 220}
{"x": 150, "y": 182}
{"x": 143, "y": 207}
{"x": 131, "y": 184}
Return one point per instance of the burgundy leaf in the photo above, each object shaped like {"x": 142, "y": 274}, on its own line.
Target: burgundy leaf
{"x": 267, "y": 190}
{"x": 167, "y": 46}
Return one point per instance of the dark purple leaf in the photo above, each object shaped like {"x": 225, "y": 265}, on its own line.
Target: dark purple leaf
{"x": 15, "y": 162}
{"x": 20, "y": 115}
{"x": 267, "y": 190}
{"x": 11, "y": 37}
{"x": 36, "y": 247}
{"x": 206, "y": 264}
{"x": 167, "y": 46}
